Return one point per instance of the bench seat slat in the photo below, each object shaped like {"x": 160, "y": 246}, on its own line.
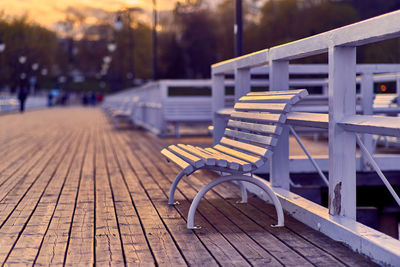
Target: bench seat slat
{"x": 263, "y": 152}
{"x": 262, "y": 139}
{"x": 187, "y": 168}
{"x": 192, "y": 159}
{"x": 300, "y": 92}
{"x": 234, "y": 163}
{"x": 220, "y": 162}
{"x": 269, "y": 107}
{"x": 260, "y": 116}
{"x": 255, "y": 127}
{"x": 258, "y": 161}
{"x": 209, "y": 160}
{"x": 290, "y": 99}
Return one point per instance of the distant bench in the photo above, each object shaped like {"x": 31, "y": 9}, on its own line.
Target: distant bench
{"x": 187, "y": 110}
{"x": 252, "y": 132}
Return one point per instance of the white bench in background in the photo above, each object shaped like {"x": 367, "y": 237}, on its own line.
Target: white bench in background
{"x": 251, "y": 135}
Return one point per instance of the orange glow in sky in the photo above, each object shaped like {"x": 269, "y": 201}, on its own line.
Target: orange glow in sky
{"x": 48, "y": 12}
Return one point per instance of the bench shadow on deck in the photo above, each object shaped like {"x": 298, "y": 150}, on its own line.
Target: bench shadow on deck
{"x": 73, "y": 190}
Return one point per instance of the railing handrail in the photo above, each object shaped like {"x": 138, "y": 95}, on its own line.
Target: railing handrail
{"x": 379, "y": 28}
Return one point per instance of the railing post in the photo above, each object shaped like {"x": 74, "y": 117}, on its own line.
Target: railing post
{"x": 367, "y": 101}
{"x": 398, "y": 89}
{"x": 162, "y": 124}
{"x": 242, "y": 82}
{"x": 279, "y": 166}
{"x": 342, "y": 144}
{"x": 218, "y": 98}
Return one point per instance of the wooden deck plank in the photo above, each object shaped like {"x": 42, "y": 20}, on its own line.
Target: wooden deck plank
{"x": 81, "y": 240}
{"x": 31, "y": 238}
{"x": 161, "y": 243}
{"x": 336, "y": 249}
{"x": 53, "y": 249}
{"x": 75, "y": 191}
{"x": 107, "y": 237}
{"x": 134, "y": 240}
{"x": 240, "y": 241}
{"x": 307, "y": 249}
{"x": 18, "y": 169}
{"x": 191, "y": 247}
{"x": 224, "y": 225}
{"x": 30, "y": 189}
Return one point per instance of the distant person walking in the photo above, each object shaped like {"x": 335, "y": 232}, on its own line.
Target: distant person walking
{"x": 22, "y": 96}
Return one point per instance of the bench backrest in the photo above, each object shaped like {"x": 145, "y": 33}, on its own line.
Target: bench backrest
{"x": 257, "y": 120}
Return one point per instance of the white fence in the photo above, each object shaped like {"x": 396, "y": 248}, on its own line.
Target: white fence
{"x": 157, "y": 107}
{"x": 339, "y": 221}
{"x": 11, "y": 103}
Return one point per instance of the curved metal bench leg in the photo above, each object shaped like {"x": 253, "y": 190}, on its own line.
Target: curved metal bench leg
{"x": 243, "y": 192}
{"x": 207, "y": 187}
{"x": 173, "y": 188}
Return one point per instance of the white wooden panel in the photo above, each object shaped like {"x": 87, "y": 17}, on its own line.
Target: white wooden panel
{"x": 258, "y": 58}
{"x": 218, "y": 96}
{"x": 279, "y": 175}
{"x": 342, "y": 147}
{"x": 242, "y": 82}
{"x": 367, "y": 92}
{"x": 381, "y": 125}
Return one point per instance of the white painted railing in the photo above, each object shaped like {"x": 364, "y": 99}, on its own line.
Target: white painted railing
{"x": 11, "y": 103}
{"x": 342, "y": 123}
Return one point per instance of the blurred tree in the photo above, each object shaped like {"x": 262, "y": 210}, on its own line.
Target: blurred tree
{"x": 197, "y": 37}
{"x": 284, "y": 21}
{"x": 24, "y": 38}
{"x": 171, "y": 64}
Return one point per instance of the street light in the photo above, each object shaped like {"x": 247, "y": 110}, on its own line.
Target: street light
{"x": 118, "y": 25}
{"x": 107, "y": 59}
{"x": 154, "y": 40}
{"x": 35, "y": 66}
{"x": 111, "y": 47}
{"x": 2, "y": 46}
{"x": 22, "y": 59}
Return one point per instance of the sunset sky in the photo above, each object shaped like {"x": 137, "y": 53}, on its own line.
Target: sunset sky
{"x": 48, "y": 12}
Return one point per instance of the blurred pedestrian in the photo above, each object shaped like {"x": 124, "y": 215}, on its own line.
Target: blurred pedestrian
{"x": 99, "y": 97}
{"x": 92, "y": 98}
{"x": 22, "y": 96}
{"x": 50, "y": 97}
{"x": 85, "y": 99}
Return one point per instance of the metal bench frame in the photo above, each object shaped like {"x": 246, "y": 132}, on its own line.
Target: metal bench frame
{"x": 233, "y": 156}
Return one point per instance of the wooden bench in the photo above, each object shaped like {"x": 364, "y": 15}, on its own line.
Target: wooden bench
{"x": 187, "y": 110}
{"x": 252, "y": 132}
{"x": 125, "y": 111}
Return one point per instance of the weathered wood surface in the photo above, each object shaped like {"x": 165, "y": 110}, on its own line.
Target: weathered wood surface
{"x": 74, "y": 191}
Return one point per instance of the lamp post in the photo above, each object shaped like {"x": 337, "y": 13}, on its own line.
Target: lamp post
{"x": 238, "y": 29}
{"x": 118, "y": 25}
{"x": 2, "y": 46}
{"x": 154, "y": 40}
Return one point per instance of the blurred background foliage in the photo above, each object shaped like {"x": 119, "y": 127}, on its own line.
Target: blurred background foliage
{"x": 193, "y": 36}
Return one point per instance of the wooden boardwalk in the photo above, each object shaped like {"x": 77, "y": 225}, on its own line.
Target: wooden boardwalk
{"x": 74, "y": 191}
